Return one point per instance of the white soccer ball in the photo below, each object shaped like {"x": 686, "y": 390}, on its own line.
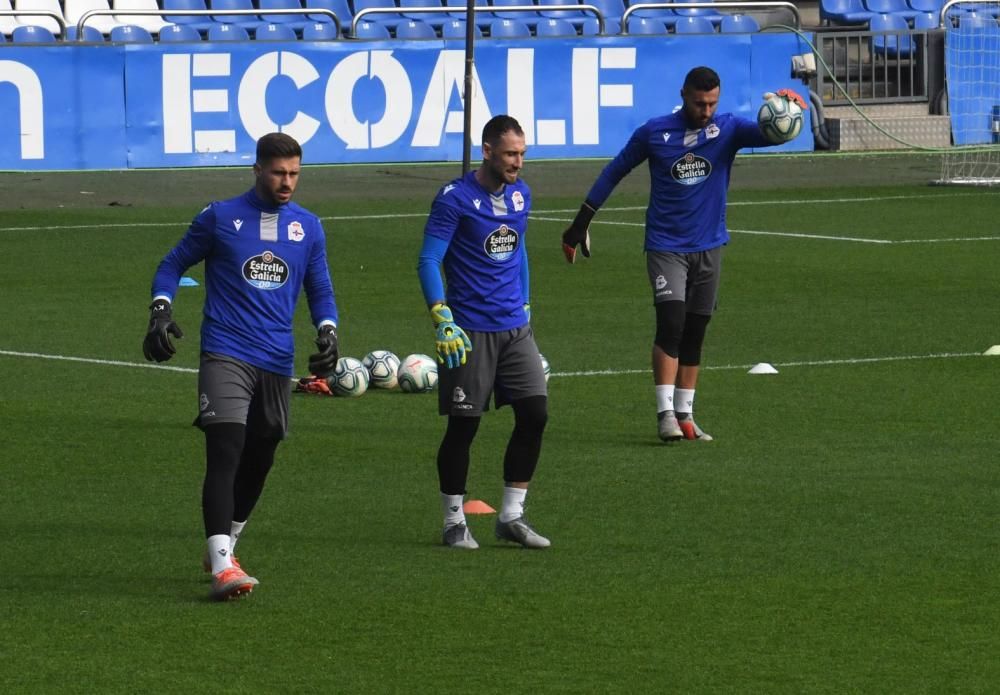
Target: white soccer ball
{"x": 417, "y": 374}
{"x": 382, "y": 367}
{"x": 780, "y": 120}
{"x": 350, "y": 378}
{"x": 546, "y": 367}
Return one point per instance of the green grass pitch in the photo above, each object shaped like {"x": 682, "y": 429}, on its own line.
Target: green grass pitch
{"x": 840, "y": 535}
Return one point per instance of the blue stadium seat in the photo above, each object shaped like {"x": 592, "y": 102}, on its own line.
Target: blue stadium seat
{"x": 371, "y": 30}
{"x": 926, "y": 5}
{"x": 435, "y": 19}
{"x": 298, "y": 22}
{"x": 926, "y": 21}
{"x": 525, "y": 17}
{"x": 389, "y": 20}
{"x": 570, "y": 15}
{"x": 31, "y": 34}
{"x": 694, "y": 25}
{"x": 554, "y": 27}
{"x": 611, "y": 9}
{"x": 90, "y": 34}
{"x": 129, "y": 33}
{"x": 200, "y": 23}
{"x": 415, "y": 29}
{"x": 646, "y": 26}
{"x": 843, "y": 12}
{"x": 898, "y": 7}
{"x": 483, "y": 16}
{"x": 509, "y": 29}
{"x": 455, "y": 29}
{"x": 665, "y": 15}
{"x": 591, "y": 27}
{"x": 247, "y": 21}
{"x": 319, "y": 31}
{"x": 707, "y": 13}
{"x": 175, "y": 33}
{"x": 738, "y": 24}
{"x": 275, "y": 32}
{"x": 890, "y": 45}
{"x": 151, "y": 23}
{"x": 227, "y": 32}
{"x": 339, "y": 7}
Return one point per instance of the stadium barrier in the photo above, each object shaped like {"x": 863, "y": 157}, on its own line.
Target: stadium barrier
{"x": 90, "y": 14}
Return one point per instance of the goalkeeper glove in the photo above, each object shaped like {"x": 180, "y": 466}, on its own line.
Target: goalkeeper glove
{"x": 527, "y": 311}
{"x": 323, "y": 363}
{"x": 451, "y": 341}
{"x": 578, "y": 234}
{"x": 157, "y": 344}
{"x": 789, "y": 95}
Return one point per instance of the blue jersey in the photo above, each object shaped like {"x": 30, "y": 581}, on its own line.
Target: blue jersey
{"x": 485, "y": 264}
{"x": 689, "y": 176}
{"x": 257, "y": 260}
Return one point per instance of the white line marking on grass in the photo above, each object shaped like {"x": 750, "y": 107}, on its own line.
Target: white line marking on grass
{"x": 803, "y": 235}
{"x": 592, "y": 372}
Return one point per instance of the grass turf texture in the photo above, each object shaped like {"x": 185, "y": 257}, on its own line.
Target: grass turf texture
{"x": 839, "y": 534}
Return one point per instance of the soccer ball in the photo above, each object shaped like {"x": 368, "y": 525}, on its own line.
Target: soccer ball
{"x": 382, "y": 366}
{"x": 780, "y": 120}
{"x": 546, "y": 367}
{"x": 418, "y": 374}
{"x": 350, "y": 378}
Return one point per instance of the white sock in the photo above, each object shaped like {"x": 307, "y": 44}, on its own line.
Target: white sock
{"x": 218, "y": 552}
{"x": 684, "y": 400}
{"x": 234, "y": 534}
{"x": 513, "y": 503}
{"x": 664, "y": 397}
{"x": 453, "y": 512}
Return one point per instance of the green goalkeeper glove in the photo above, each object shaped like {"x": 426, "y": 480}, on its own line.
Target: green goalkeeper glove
{"x": 451, "y": 341}
{"x": 157, "y": 344}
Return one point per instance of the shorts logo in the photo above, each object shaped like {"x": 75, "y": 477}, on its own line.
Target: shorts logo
{"x": 660, "y": 285}
{"x": 203, "y": 402}
{"x": 501, "y": 243}
{"x": 265, "y": 271}
{"x": 295, "y": 232}
{"x": 458, "y": 395}
{"x": 518, "y": 200}
{"x": 691, "y": 169}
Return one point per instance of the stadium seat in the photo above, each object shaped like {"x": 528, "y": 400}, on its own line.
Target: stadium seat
{"x": 525, "y": 17}
{"x": 227, "y": 32}
{"x": 576, "y": 17}
{"x": 890, "y": 45}
{"x": 176, "y": 33}
{"x": 40, "y": 20}
{"x": 249, "y": 21}
{"x": 554, "y": 27}
{"x": 483, "y": 15}
{"x": 667, "y": 16}
{"x": 319, "y": 31}
{"x": 385, "y": 19}
{"x": 843, "y": 12}
{"x": 275, "y": 32}
{"x": 455, "y": 29}
{"x": 7, "y": 22}
{"x": 150, "y": 23}
{"x": 898, "y": 7}
{"x": 73, "y": 10}
{"x": 926, "y": 21}
{"x": 298, "y": 22}
{"x": 591, "y": 27}
{"x": 435, "y": 19}
{"x": 32, "y": 34}
{"x": 199, "y": 23}
{"x": 509, "y": 29}
{"x": 738, "y": 24}
{"x": 707, "y": 13}
{"x": 975, "y": 20}
{"x": 128, "y": 33}
{"x": 611, "y": 9}
{"x": 646, "y": 26}
{"x": 415, "y": 29}
{"x": 89, "y": 34}
{"x": 371, "y": 30}
{"x": 694, "y": 25}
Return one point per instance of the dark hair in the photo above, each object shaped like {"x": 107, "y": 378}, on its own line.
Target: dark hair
{"x": 497, "y": 126}
{"x": 277, "y": 146}
{"x": 701, "y": 79}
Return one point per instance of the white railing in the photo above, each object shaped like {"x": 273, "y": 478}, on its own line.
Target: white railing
{"x": 754, "y": 6}
{"x": 488, "y": 9}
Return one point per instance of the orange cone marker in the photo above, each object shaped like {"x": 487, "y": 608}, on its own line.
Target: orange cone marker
{"x": 477, "y": 507}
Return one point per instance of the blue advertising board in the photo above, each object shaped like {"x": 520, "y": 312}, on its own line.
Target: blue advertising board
{"x": 198, "y": 104}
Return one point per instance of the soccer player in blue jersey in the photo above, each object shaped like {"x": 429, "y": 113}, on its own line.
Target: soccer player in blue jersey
{"x": 690, "y": 154}
{"x": 260, "y": 250}
{"x": 476, "y": 232}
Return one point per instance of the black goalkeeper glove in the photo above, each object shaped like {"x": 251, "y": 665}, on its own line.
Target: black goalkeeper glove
{"x": 323, "y": 363}
{"x": 578, "y": 233}
{"x": 157, "y": 344}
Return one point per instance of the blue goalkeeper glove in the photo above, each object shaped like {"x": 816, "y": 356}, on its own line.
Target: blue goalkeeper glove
{"x": 451, "y": 341}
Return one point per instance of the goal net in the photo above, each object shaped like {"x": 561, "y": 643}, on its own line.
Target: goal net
{"x": 972, "y": 72}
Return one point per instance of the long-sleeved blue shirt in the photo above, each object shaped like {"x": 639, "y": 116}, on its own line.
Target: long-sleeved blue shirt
{"x": 258, "y": 258}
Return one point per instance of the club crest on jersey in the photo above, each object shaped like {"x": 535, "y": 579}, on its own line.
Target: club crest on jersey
{"x": 265, "y": 271}
{"x": 518, "y": 201}
{"x": 501, "y": 243}
{"x": 712, "y": 131}
{"x": 691, "y": 169}
{"x": 295, "y": 231}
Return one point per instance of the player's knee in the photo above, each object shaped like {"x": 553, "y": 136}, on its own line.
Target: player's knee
{"x": 531, "y": 415}
{"x": 461, "y": 430}
{"x": 692, "y": 338}
{"x": 669, "y": 326}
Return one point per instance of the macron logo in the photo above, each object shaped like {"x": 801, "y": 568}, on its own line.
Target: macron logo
{"x": 477, "y": 203}
{"x": 237, "y": 224}
{"x": 666, "y": 137}
{"x": 448, "y": 189}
